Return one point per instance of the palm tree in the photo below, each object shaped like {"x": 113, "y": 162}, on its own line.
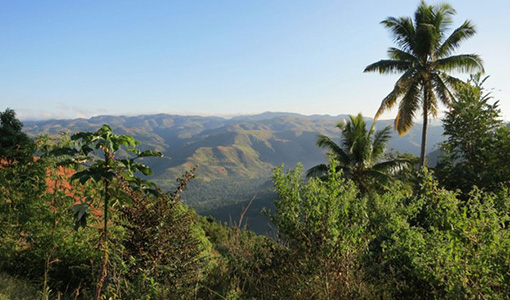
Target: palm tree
{"x": 424, "y": 56}
{"x": 359, "y": 154}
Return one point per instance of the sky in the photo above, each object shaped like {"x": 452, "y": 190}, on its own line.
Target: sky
{"x": 71, "y": 59}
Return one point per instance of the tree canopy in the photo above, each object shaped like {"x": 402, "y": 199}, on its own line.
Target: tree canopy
{"x": 15, "y": 145}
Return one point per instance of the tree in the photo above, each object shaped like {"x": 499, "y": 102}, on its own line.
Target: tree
{"x": 424, "y": 56}
{"x": 97, "y": 153}
{"x": 476, "y": 149}
{"x": 15, "y": 145}
{"x": 360, "y": 154}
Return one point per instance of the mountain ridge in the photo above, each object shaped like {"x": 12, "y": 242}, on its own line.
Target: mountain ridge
{"x": 235, "y": 156}
{"x": 248, "y": 146}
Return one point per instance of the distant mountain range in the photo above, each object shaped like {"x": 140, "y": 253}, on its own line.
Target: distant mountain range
{"x": 236, "y": 155}
{"x": 244, "y": 146}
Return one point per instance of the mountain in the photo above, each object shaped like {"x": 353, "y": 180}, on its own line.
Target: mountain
{"x": 235, "y": 156}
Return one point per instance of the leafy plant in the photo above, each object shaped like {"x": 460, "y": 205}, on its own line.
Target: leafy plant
{"x": 97, "y": 156}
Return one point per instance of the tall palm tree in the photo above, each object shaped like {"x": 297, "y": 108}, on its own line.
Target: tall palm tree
{"x": 424, "y": 56}
{"x": 360, "y": 154}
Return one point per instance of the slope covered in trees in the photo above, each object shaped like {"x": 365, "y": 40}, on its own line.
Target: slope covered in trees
{"x": 235, "y": 155}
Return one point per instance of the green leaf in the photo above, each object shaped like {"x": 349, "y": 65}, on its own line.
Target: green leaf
{"x": 80, "y": 211}
{"x": 151, "y": 153}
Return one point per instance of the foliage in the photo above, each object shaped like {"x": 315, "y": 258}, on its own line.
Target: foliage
{"x": 359, "y": 155}
{"x": 325, "y": 224}
{"x": 445, "y": 248}
{"x": 165, "y": 253}
{"x": 424, "y": 56}
{"x": 37, "y": 238}
{"x": 245, "y": 265}
{"x": 97, "y": 153}
{"x": 156, "y": 248}
{"x": 476, "y": 151}
{"x": 15, "y": 146}
{"x": 395, "y": 245}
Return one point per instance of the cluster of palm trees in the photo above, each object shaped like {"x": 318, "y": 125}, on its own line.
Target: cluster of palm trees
{"x": 424, "y": 56}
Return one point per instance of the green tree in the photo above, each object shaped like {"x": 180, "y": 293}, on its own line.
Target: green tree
{"x": 15, "y": 145}
{"x": 360, "y": 155}
{"x": 98, "y": 156}
{"x": 424, "y": 56}
{"x": 476, "y": 149}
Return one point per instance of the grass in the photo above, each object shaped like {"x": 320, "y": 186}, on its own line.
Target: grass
{"x": 15, "y": 289}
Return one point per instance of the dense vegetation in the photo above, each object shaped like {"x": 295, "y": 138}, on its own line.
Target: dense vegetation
{"x": 79, "y": 218}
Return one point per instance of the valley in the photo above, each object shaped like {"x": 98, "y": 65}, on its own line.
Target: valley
{"x": 235, "y": 156}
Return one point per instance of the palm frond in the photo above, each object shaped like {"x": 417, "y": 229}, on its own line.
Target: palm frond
{"x": 403, "y": 31}
{"x": 442, "y": 89}
{"x": 381, "y": 137}
{"x": 388, "y": 66}
{"x": 461, "y": 63}
{"x": 427, "y": 39}
{"x": 394, "y": 166}
{"x": 401, "y": 55}
{"x": 380, "y": 178}
{"x": 326, "y": 143}
{"x": 443, "y": 17}
{"x": 407, "y": 108}
{"x": 466, "y": 30}
{"x": 317, "y": 171}
{"x": 445, "y": 9}
{"x": 429, "y": 20}
{"x": 400, "y": 88}
{"x": 349, "y": 134}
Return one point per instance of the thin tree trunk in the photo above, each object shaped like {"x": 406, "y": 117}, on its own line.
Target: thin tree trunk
{"x": 425, "y": 127}
{"x": 104, "y": 265}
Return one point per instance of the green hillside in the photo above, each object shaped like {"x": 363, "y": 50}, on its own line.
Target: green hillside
{"x": 235, "y": 156}
{"x": 245, "y": 146}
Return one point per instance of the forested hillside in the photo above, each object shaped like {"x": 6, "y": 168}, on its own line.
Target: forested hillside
{"x": 235, "y": 156}
{"x": 227, "y": 148}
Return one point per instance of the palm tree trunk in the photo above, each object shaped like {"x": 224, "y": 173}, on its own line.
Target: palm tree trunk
{"x": 425, "y": 127}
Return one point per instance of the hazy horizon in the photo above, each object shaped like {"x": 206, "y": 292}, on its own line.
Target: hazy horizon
{"x": 432, "y": 122}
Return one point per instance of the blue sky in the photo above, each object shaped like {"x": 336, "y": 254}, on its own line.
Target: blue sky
{"x": 67, "y": 59}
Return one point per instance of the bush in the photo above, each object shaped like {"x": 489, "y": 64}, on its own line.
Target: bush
{"x": 436, "y": 246}
{"x": 325, "y": 224}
